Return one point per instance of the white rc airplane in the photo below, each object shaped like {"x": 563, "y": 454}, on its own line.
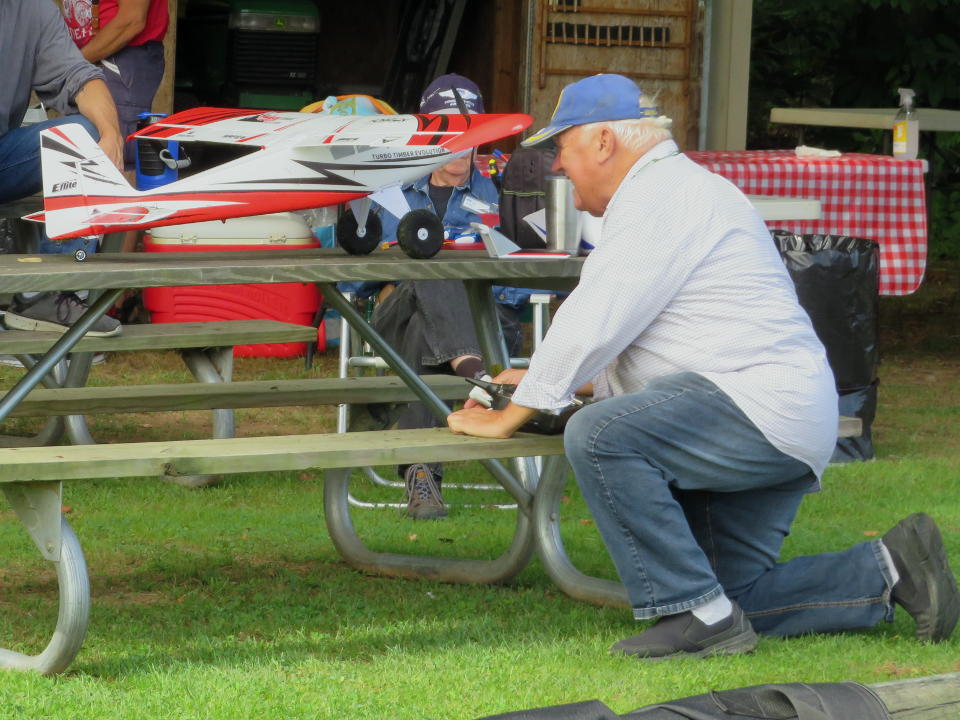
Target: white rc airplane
{"x": 297, "y": 161}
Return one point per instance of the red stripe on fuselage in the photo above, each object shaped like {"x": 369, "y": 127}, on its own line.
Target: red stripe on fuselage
{"x": 319, "y": 198}
{"x": 263, "y": 203}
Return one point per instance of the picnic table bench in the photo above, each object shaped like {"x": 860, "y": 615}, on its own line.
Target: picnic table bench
{"x": 33, "y": 476}
{"x": 206, "y": 349}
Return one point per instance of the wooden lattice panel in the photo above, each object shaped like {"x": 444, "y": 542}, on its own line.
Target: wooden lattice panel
{"x": 656, "y": 42}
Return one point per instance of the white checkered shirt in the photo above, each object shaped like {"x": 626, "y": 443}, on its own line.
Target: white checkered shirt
{"x": 687, "y": 278}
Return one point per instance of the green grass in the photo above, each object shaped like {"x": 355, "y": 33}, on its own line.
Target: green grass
{"x": 230, "y": 601}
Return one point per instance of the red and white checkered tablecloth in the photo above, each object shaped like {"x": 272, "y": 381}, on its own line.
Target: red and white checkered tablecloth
{"x": 868, "y": 196}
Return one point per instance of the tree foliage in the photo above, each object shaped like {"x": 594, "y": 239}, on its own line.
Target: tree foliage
{"x": 856, "y": 53}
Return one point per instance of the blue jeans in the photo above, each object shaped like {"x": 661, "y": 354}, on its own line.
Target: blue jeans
{"x": 20, "y": 173}
{"x": 692, "y": 501}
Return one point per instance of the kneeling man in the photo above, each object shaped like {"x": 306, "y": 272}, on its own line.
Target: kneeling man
{"x": 716, "y": 409}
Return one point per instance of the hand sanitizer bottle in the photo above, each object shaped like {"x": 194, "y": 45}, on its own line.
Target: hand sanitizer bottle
{"x": 906, "y": 128}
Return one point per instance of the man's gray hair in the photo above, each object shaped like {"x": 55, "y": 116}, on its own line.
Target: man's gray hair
{"x": 636, "y": 133}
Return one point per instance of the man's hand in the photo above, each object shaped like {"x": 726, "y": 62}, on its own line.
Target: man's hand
{"x": 489, "y": 423}
{"x": 507, "y": 377}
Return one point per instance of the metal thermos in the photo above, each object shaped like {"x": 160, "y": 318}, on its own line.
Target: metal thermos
{"x": 563, "y": 232}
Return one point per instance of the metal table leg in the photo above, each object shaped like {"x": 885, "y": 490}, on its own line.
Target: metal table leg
{"x": 546, "y": 528}
{"x": 72, "y": 372}
{"x": 214, "y": 365}
{"x": 549, "y": 490}
{"x": 336, "y": 492}
{"x": 211, "y": 365}
{"x": 336, "y": 511}
{"x": 56, "y": 353}
{"x": 38, "y": 507}
{"x": 78, "y": 371}
{"x": 54, "y": 428}
{"x": 486, "y": 322}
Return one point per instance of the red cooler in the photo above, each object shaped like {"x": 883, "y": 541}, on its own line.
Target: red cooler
{"x": 288, "y": 302}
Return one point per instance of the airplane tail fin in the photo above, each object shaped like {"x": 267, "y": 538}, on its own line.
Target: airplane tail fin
{"x": 77, "y": 175}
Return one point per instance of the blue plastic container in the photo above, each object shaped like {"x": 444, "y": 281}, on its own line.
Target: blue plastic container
{"x": 151, "y": 171}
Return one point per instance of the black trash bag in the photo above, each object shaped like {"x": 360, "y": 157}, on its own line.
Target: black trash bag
{"x": 837, "y": 279}
{"x": 860, "y": 403}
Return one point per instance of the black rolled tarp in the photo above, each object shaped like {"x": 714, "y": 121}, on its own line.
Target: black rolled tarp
{"x": 837, "y": 283}
{"x": 789, "y": 701}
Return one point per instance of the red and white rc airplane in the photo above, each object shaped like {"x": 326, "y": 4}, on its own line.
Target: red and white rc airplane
{"x": 297, "y": 161}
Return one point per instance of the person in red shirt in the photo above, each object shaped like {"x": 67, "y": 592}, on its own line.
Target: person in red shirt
{"x": 125, "y": 38}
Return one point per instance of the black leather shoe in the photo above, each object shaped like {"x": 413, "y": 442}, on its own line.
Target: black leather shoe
{"x": 927, "y": 588}
{"x": 683, "y": 635}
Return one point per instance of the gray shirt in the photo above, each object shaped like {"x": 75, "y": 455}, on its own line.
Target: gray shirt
{"x": 38, "y": 54}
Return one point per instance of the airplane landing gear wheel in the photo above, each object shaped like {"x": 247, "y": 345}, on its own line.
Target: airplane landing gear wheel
{"x": 420, "y": 234}
{"x": 348, "y": 236}
{"x": 80, "y": 255}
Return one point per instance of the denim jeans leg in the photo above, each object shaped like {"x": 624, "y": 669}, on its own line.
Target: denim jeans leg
{"x": 638, "y": 459}
{"x": 829, "y": 592}
{"x": 20, "y": 174}
{"x": 447, "y": 323}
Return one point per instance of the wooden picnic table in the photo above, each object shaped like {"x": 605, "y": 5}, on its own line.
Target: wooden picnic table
{"x": 34, "y": 489}
{"x": 931, "y": 119}
{"x": 33, "y": 476}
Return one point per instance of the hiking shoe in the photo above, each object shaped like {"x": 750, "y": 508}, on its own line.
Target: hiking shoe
{"x": 56, "y": 312}
{"x": 927, "y": 588}
{"x": 684, "y": 636}
{"x": 424, "y": 501}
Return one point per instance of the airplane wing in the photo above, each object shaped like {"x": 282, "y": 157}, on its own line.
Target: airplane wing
{"x": 231, "y": 126}
{"x": 259, "y": 128}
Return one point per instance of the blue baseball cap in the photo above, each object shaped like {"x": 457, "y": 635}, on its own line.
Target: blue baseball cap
{"x": 598, "y": 98}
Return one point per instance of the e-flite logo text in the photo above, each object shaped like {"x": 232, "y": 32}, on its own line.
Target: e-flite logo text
{"x": 69, "y": 185}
